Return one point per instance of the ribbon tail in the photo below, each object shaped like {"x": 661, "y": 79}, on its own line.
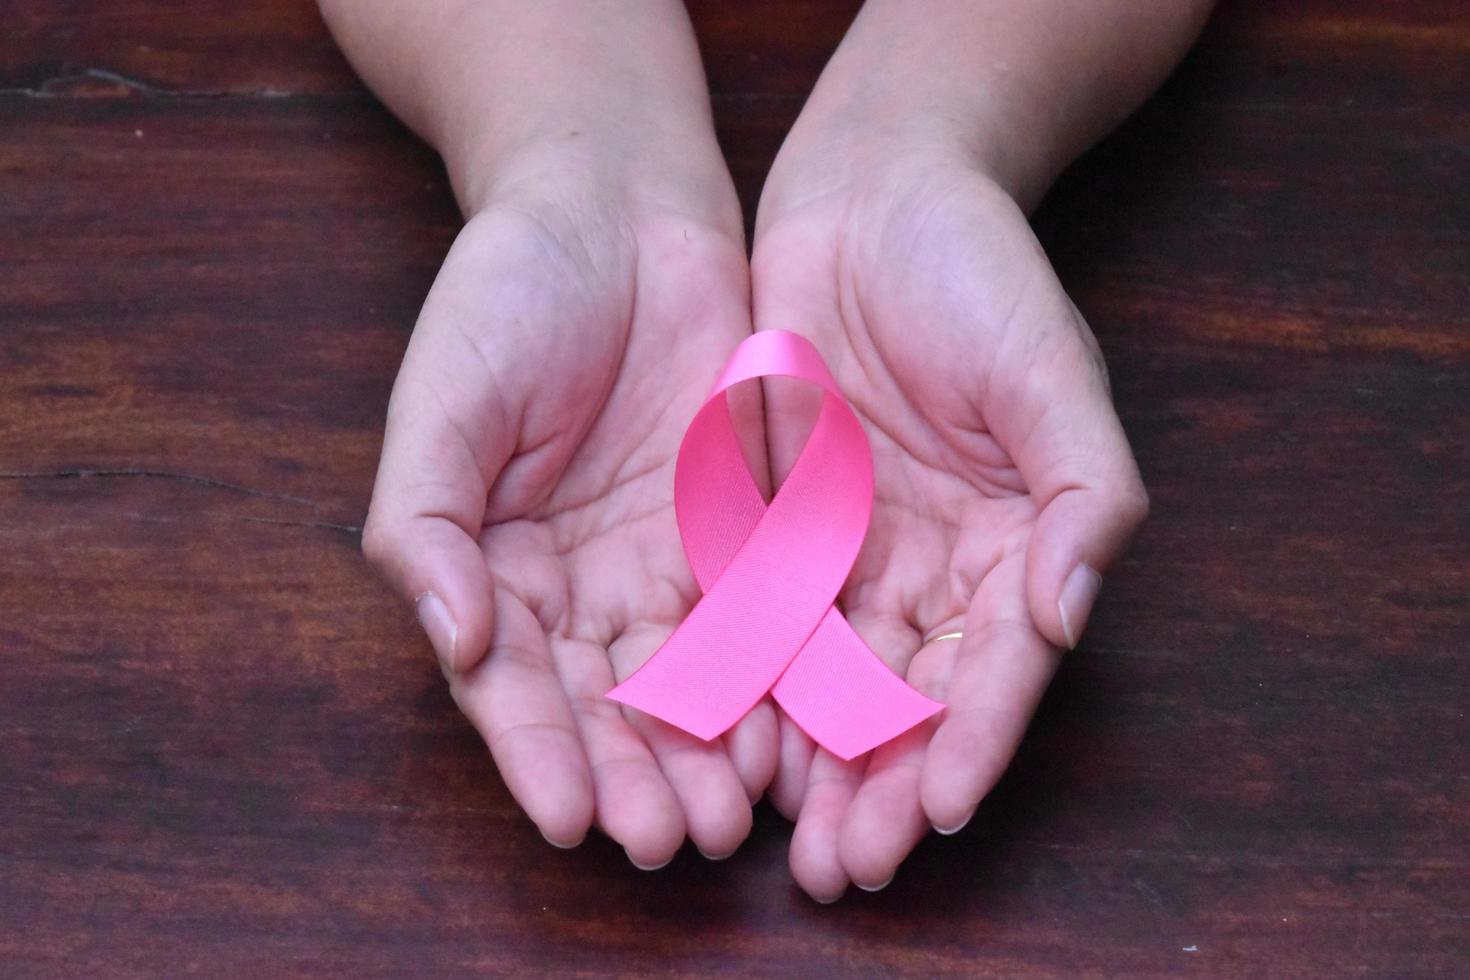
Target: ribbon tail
{"x": 867, "y": 707}
{"x": 662, "y": 701}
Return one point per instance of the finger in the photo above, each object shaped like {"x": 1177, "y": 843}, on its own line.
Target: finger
{"x": 716, "y": 808}
{"x": 754, "y": 746}
{"x": 444, "y": 442}
{"x": 516, "y": 701}
{"x": 999, "y": 673}
{"x": 793, "y": 768}
{"x": 636, "y": 806}
{"x": 717, "y": 811}
{"x": 815, "y": 862}
{"x": 886, "y": 820}
{"x": 1055, "y": 415}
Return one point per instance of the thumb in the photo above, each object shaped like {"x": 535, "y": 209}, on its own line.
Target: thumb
{"x": 428, "y": 508}
{"x": 1076, "y": 462}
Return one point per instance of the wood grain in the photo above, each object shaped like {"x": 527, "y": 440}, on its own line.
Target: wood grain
{"x": 224, "y": 749}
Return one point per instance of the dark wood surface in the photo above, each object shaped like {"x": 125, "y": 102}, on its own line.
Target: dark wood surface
{"x": 225, "y": 749}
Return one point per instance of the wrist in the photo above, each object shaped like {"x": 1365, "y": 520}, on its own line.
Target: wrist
{"x": 953, "y": 88}
{"x": 1016, "y": 90}
{"x": 851, "y": 147}
{"x": 599, "y": 173}
{"x": 613, "y": 94}
{"x": 842, "y": 162}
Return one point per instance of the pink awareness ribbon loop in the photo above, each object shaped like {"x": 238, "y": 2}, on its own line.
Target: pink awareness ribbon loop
{"x": 770, "y": 575}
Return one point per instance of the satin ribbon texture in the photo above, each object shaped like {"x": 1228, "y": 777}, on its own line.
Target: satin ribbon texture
{"x": 770, "y": 575}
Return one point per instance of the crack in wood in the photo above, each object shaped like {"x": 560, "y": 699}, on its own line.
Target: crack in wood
{"x": 83, "y": 473}
{"x": 66, "y": 86}
{"x": 353, "y": 529}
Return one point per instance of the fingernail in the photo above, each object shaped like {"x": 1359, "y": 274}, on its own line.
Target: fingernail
{"x": 439, "y": 625}
{"x": 951, "y": 831}
{"x": 876, "y": 888}
{"x": 713, "y": 857}
{"x": 829, "y": 901}
{"x": 1075, "y": 603}
{"x": 558, "y": 844}
{"x": 649, "y": 867}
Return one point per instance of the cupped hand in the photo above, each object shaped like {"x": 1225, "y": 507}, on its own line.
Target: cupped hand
{"x": 1004, "y": 483}
{"x": 524, "y": 501}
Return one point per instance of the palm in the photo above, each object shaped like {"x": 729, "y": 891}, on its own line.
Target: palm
{"x": 926, "y": 306}
{"x": 574, "y": 356}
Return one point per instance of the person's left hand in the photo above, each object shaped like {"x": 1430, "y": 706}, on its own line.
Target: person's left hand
{"x": 1004, "y": 482}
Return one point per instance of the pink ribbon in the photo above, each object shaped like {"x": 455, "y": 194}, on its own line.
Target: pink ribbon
{"x": 770, "y": 574}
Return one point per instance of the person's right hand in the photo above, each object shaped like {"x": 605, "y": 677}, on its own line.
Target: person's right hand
{"x": 524, "y": 499}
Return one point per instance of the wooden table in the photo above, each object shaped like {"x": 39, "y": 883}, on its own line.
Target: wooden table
{"x": 226, "y": 751}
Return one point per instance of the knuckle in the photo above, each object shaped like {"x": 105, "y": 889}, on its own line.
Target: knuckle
{"x": 377, "y": 543}
{"x": 1133, "y": 503}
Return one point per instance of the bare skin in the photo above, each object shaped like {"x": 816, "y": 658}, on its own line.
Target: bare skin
{"x": 892, "y": 231}
{"x": 524, "y": 499}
